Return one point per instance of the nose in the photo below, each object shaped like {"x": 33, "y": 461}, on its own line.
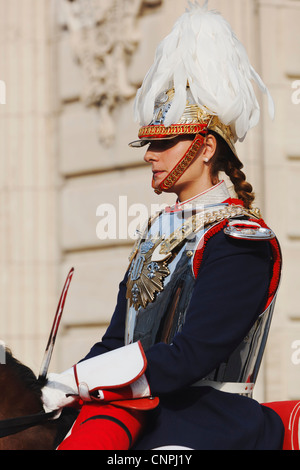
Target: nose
{"x": 150, "y": 156}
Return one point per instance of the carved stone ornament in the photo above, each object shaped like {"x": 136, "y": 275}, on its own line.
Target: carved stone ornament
{"x": 104, "y": 35}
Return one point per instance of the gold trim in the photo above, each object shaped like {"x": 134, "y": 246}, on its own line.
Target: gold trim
{"x": 197, "y": 221}
{"x": 194, "y": 120}
{"x": 151, "y": 256}
{"x": 174, "y": 129}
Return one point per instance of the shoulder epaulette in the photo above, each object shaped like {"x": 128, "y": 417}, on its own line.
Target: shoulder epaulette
{"x": 248, "y": 230}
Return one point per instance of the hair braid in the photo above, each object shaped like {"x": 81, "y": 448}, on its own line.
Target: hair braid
{"x": 225, "y": 160}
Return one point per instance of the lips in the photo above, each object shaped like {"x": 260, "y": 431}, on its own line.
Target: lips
{"x": 157, "y": 172}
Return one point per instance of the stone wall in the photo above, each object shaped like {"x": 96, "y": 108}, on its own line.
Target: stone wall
{"x": 29, "y": 179}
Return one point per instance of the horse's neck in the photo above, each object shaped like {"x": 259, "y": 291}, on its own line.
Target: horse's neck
{"x": 20, "y": 396}
{"x": 16, "y": 398}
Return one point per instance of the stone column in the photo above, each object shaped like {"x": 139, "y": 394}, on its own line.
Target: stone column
{"x": 28, "y": 177}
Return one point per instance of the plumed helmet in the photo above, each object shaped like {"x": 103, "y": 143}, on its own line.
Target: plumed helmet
{"x": 201, "y": 79}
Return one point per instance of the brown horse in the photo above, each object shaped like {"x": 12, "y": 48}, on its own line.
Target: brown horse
{"x": 21, "y": 396}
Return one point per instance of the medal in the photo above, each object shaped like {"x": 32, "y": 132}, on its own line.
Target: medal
{"x": 146, "y": 276}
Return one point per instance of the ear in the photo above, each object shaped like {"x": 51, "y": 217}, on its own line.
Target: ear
{"x": 210, "y": 146}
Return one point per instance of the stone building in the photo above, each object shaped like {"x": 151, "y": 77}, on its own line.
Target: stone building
{"x": 69, "y": 71}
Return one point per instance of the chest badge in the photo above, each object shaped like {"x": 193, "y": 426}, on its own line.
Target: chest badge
{"x": 146, "y": 276}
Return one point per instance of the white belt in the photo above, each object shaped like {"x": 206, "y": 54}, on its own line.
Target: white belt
{"x": 230, "y": 387}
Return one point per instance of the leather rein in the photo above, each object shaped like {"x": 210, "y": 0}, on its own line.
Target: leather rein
{"x": 14, "y": 425}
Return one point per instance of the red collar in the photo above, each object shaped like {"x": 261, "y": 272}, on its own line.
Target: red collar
{"x": 231, "y": 201}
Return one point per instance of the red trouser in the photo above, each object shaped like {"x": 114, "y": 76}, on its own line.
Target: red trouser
{"x": 104, "y": 427}
{"x": 289, "y": 412}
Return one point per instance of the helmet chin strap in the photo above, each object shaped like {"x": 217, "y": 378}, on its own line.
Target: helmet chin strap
{"x": 181, "y": 166}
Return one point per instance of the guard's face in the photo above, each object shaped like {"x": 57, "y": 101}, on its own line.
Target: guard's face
{"x": 164, "y": 155}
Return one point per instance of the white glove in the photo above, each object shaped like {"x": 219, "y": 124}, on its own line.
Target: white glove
{"x": 122, "y": 368}
{"x": 60, "y": 391}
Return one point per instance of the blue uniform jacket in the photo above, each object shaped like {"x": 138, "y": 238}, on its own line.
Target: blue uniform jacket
{"x": 230, "y": 292}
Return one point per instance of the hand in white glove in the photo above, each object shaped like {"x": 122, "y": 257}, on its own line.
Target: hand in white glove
{"x": 60, "y": 391}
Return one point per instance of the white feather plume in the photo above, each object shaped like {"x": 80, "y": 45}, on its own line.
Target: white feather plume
{"x": 203, "y": 50}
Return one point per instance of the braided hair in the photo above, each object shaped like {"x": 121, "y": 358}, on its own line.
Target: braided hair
{"x": 225, "y": 160}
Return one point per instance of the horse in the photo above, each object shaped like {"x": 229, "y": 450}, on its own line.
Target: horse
{"x": 24, "y": 425}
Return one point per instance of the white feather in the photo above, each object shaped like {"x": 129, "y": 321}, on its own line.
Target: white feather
{"x": 202, "y": 50}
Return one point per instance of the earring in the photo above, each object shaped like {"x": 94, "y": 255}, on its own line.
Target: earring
{"x": 206, "y": 160}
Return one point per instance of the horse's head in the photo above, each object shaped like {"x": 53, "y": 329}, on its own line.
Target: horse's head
{"x": 21, "y": 395}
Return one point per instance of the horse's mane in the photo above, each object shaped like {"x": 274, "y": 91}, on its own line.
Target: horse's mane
{"x": 23, "y": 382}
{"x": 24, "y": 374}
